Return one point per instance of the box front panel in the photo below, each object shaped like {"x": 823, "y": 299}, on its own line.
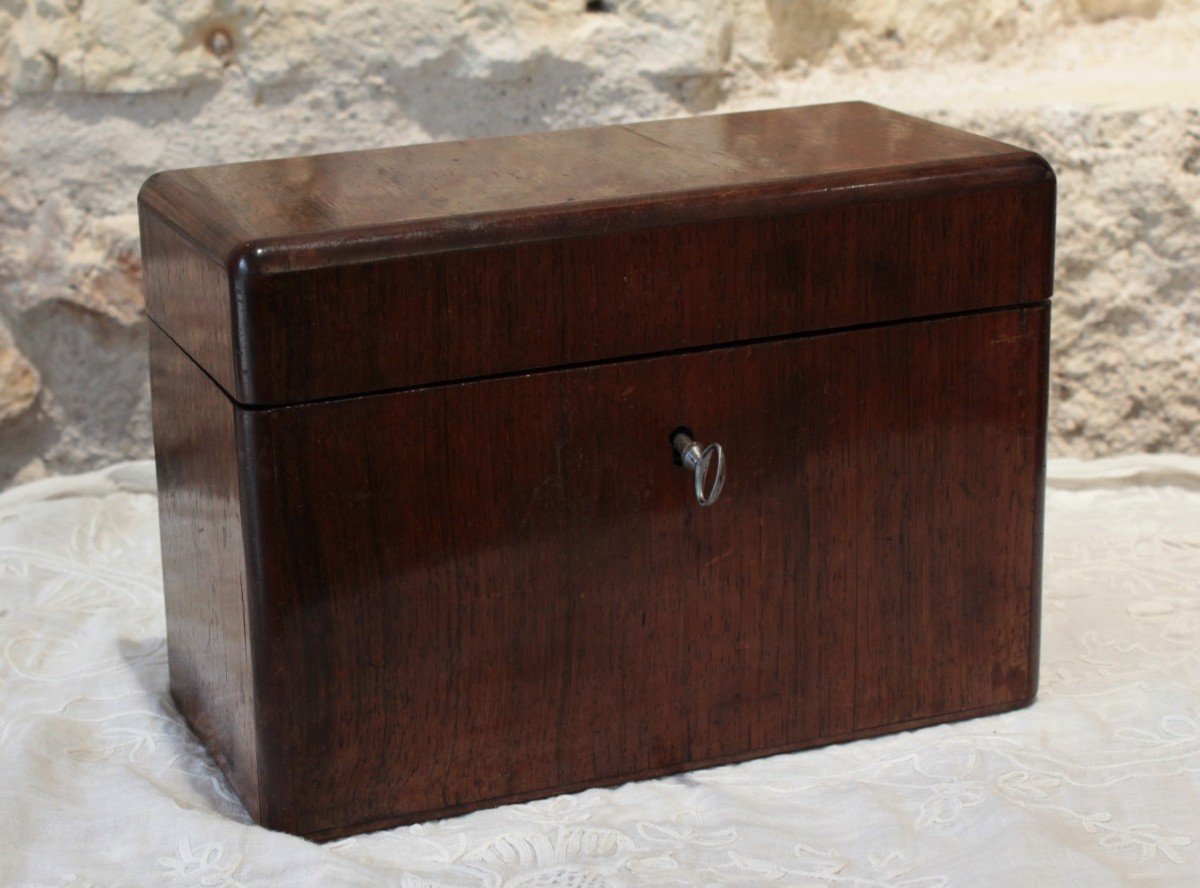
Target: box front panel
{"x": 506, "y": 588}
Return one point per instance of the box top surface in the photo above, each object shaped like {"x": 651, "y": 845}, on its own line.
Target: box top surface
{"x": 330, "y": 209}
{"x": 321, "y": 277}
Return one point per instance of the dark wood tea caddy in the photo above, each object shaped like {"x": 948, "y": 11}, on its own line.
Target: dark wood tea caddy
{"x": 430, "y": 538}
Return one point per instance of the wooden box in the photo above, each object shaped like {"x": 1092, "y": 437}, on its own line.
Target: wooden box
{"x": 428, "y": 541}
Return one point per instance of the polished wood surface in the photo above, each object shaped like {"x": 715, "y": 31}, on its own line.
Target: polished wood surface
{"x": 190, "y": 294}
{"x": 209, "y": 602}
{"x": 309, "y": 212}
{"x": 425, "y": 545}
{"x": 581, "y": 300}
{"x": 494, "y": 590}
{"x": 553, "y": 249}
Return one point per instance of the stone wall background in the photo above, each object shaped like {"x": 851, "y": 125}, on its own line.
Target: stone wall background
{"x": 97, "y": 94}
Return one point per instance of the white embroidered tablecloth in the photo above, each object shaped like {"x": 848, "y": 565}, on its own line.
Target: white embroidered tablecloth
{"x": 1097, "y": 784}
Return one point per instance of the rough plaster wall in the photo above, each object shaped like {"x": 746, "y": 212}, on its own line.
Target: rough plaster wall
{"x": 97, "y": 94}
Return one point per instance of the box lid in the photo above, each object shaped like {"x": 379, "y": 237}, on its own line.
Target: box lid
{"x": 315, "y": 277}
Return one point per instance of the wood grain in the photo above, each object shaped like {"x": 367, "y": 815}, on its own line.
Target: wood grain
{"x": 459, "y": 608}
{"x": 477, "y": 258}
{"x": 302, "y": 213}
{"x": 204, "y": 563}
{"x": 488, "y": 311}
{"x": 425, "y": 547}
{"x": 190, "y": 295}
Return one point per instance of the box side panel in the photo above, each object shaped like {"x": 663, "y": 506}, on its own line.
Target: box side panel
{"x": 505, "y": 589}
{"x": 204, "y": 563}
{"x": 188, "y": 294}
{"x": 1042, "y": 403}
{"x": 406, "y": 322}
{"x": 946, "y": 492}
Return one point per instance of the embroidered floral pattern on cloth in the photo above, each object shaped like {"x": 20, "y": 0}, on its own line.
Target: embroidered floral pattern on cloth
{"x": 1097, "y": 784}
